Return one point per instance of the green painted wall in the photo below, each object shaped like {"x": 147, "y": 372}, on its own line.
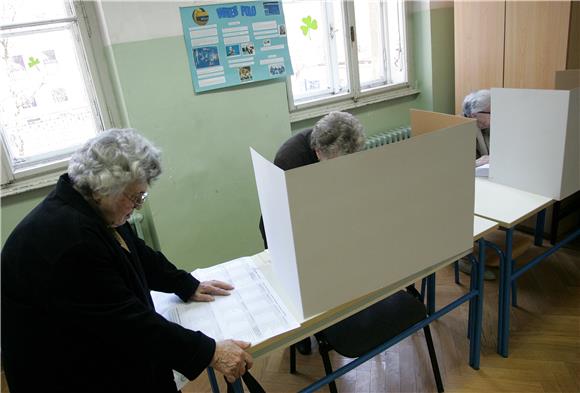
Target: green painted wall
{"x": 422, "y": 56}
{"x": 205, "y": 208}
{"x": 443, "y": 54}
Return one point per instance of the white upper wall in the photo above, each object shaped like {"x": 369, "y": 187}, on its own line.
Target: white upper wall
{"x": 130, "y": 21}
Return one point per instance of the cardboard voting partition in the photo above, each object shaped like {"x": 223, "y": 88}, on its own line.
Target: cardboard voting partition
{"x": 567, "y": 80}
{"x": 342, "y": 228}
{"x": 535, "y": 140}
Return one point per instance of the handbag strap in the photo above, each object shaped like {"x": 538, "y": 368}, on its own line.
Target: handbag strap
{"x": 251, "y": 383}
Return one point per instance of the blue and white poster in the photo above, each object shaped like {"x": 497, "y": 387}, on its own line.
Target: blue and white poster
{"x": 235, "y": 43}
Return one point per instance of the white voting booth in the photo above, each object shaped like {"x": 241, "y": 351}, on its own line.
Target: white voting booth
{"x": 535, "y": 138}
{"x": 342, "y": 228}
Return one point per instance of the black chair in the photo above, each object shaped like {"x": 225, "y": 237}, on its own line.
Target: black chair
{"x": 369, "y": 328}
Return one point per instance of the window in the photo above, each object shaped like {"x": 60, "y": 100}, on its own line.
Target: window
{"x": 48, "y": 101}
{"x": 345, "y": 51}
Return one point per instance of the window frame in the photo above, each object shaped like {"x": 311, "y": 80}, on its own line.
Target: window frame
{"x": 356, "y": 98}
{"x": 92, "y": 48}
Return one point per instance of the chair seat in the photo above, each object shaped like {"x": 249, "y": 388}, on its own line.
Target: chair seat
{"x": 375, "y": 325}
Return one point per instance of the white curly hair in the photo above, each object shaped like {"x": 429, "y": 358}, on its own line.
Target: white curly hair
{"x": 336, "y": 134}
{"x": 112, "y": 160}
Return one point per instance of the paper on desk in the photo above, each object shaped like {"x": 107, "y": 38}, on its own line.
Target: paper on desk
{"x": 482, "y": 171}
{"x": 253, "y": 312}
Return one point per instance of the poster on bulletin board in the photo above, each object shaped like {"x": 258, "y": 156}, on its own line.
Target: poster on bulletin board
{"x": 235, "y": 43}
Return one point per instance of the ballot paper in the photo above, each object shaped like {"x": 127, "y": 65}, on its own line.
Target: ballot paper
{"x": 482, "y": 171}
{"x": 253, "y": 311}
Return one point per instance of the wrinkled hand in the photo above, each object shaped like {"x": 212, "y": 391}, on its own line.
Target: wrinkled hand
{"x": 482, "y": 161}
{"x": 231, "y": 359}
{"x": 206, "y": 290}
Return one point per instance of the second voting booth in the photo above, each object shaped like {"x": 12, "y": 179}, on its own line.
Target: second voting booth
{"x": 535, "y": 138}
{"x": 340, "y": 229}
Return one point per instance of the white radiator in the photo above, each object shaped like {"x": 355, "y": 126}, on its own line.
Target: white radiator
{"x": 386, "y": 137}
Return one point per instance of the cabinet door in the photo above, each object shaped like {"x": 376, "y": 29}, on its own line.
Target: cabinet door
{"x": 479, "y": 39}
{"x": 536, "y": 43}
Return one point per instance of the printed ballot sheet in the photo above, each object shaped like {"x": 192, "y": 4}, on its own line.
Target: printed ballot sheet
{"x": 253, "y": 312}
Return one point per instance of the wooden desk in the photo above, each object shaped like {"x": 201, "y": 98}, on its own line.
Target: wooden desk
{"x": 508, "y": 207}
{"x": 505, "y": 205}
{"x": 482, "y": 227}
{"x": 321, "y": 321}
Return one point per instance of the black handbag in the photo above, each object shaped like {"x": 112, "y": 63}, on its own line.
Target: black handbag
{"x": 251, "y": 383}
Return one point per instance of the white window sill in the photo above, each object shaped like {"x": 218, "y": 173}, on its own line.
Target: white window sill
{"x": 308, "y": 111}
{"x": 21, "y": 186}
{"x": 34, "y": 178}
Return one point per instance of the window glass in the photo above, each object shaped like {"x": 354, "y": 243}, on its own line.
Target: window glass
{"x": 27, "y": 11}
{"x": 48, "y": 105}
{"x": 397, "y": 50}
{"x": 45, "y": 109}
{"x": 318, "y": 35}
{"x": 316, "y": 43}
{"x": 371, "y": 43}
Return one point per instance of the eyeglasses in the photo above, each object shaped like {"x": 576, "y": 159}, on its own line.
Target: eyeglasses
{"x": 137, "y": 200}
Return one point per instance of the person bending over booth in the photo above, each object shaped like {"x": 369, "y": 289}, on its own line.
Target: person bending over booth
{"x": 77, "y": 313}
{"x": 477, "y": 105}
{"x": 334, "y": 135}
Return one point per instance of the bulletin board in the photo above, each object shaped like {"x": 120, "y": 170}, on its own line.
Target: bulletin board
{"x": 230, "y": 44}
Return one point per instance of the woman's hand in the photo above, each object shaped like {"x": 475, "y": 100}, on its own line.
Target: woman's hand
{"x": 482, "y": 161}
{"x": 231, "y": 359}
{"x": 207, "y": 289}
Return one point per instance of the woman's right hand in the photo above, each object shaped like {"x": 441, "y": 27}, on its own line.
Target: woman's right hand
{"x": 231, "y": 359}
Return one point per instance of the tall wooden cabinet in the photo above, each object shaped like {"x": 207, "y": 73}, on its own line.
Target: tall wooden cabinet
{"x": 511, "y": 44}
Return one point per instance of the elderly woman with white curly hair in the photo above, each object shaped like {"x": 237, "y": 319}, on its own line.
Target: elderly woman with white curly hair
{"x": 77, "y": 314}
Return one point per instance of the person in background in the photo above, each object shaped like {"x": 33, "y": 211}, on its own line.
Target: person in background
{"x": 334, "y": 135}
{"x": 477, "y": 105}
{"x": 77, "y": 313}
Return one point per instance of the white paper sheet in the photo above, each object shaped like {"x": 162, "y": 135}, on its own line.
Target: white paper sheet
{"x": 253, "y": 312}
{"x": 482, "y": 170}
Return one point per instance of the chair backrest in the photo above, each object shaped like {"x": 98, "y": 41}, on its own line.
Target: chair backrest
{"x": 375, "y": 325}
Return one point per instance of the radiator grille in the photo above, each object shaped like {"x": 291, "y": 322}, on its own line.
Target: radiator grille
{"x": 386, "y": 137}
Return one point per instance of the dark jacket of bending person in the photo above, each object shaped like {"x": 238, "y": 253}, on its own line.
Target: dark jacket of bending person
{"x": 77, "y": 314}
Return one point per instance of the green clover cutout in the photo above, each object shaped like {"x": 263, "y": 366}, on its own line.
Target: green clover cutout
{"x": 309, "y": 24}
{"x": 32, "y": 61}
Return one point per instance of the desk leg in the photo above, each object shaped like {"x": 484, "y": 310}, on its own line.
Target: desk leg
{"x": 504, "y": 298}
{"x": 212, "y": 380}
{"x": 555, "y": 222}
{"x": 478, "y": 315}
{"x": 539, "y": 232}
{"x": 238, "y": 387}
{"x": 472, "y": 281}
{"x": 431, "y": 294}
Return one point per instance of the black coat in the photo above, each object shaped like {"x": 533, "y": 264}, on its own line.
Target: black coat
{"x": 77, "y": 314}
{"x": 293, "y": 153}
{"x": 296, "y": 152}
